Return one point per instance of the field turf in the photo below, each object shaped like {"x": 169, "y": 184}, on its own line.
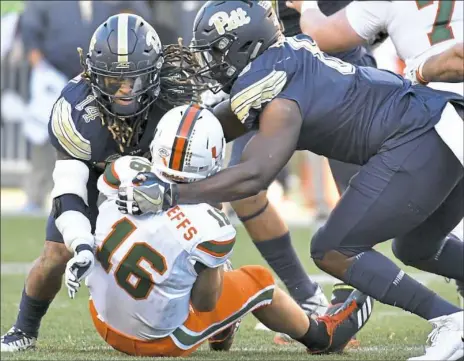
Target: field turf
{"x": 67, "y": 332}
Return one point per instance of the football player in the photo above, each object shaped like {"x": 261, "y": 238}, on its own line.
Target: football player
{"x": 160, "y": 288}
{"x": 262, "y": 220}
{"x": 112, "y": 108}
{"x": 411, "y": 183}
{"x": 432, "y": 48}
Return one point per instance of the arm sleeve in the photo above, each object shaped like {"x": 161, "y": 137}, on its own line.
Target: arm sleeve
{"x": 32, "y": 23}
{"x": 368, "y": 18}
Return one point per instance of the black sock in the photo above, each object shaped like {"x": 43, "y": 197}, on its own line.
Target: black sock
{"x": 316, "y": 338}
{"x": 281, "y": 257}
{"x": 377, "y": 276}
{"x": 30, "y": 314}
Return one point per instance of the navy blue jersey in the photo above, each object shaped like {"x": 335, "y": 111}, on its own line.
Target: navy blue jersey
{"x": 76, "y": 127}
{"x": 349, "y": 113}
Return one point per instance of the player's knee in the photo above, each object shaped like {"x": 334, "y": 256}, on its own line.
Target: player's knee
{"x": 55, "y": 256}
{"x": 410, "y": 252}
{"x": 331, "y": 256}
{"x": 259, "y": 275}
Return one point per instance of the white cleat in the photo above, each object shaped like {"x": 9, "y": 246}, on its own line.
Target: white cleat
{"x": 317, "y": 304}
{"x": 16, "y": 340}
{"x": 446, "y": 339}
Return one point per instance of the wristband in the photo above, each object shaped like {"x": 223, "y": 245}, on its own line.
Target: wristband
{"x": 420, "y": 78}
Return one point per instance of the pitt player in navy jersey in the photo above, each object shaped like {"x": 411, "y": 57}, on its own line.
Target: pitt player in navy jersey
{"x": 299, "y": 98}
{"x": 110, "y": 110}
{"x": 262, "y": 220}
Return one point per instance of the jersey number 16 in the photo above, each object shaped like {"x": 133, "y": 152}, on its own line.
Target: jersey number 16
{"x": 129, "y": 273}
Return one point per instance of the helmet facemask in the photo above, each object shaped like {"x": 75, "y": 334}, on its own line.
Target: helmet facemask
{"x": 214, "y": 66}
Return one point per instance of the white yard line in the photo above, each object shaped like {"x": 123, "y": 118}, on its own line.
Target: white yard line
{"x": 21, "y": 268}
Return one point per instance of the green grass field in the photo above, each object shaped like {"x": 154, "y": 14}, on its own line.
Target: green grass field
{"x": 11, "y": 5}
{"x": 67, "y": 332}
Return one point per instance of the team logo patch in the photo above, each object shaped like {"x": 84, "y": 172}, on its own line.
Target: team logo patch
{"x": 163, "y": 152}
{"x": 224, "y": 22}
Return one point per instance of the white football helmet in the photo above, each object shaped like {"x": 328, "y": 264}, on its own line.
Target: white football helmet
{"x": 188, "y": 145}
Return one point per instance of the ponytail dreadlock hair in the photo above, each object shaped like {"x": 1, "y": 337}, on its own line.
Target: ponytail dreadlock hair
{"x": 178, "y": 77}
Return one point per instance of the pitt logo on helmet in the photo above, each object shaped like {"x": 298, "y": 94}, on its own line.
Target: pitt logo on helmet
{"x": 153, "y": 40}
{"x": 223, "y": 22}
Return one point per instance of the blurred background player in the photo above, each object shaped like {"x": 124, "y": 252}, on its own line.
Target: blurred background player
{"x": 169, "y": 294}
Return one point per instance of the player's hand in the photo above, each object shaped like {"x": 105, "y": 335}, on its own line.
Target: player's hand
{"x": 295, "y": 5}
{"x": 149, "y": 194}
{"x": 78, "y": 268}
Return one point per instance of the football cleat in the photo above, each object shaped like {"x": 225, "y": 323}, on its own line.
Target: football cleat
{"x": 223, "y": 340}
{"x": 344, "y": 322}
{"x": 315, "y": 305}
{"x": 446, "y": 340}
{"x": 16, "y": 340}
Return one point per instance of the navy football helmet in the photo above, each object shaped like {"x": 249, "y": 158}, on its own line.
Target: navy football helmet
{"x": 124, "y": 62}
{"x": 228, "y": 35}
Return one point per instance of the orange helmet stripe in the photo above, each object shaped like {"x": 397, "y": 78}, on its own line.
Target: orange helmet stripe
{"x": 179, "y": 148}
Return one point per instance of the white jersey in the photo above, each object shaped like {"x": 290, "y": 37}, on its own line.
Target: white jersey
{"x": 145, "y": 272}
{"x": 418, "y": 29}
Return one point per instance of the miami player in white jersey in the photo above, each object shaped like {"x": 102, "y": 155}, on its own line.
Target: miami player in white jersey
{"x": 159, "y": 287}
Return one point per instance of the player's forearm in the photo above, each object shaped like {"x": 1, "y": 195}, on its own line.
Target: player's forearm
{"x": 332, "y": 34}
{"x": 207, "y": 289}
{"x": 238, "y": 182}
{"x": 447, "y": 66}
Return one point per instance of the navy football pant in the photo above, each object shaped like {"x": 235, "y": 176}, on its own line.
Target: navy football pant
{"x": 413, "y": 192}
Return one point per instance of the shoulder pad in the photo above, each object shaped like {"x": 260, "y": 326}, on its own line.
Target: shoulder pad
{"x": 74, "y": 121}
{"x": 121, "y": 171}
{"x": 216, "y": 236}
{"x": 254, "y": 88}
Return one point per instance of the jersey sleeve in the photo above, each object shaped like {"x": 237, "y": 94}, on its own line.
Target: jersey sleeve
{"x": 217, "y": 239}
{"x": 368, "y": 18}
{"x": 121, "y": 171}
{"x": 253, "y": 90}
{"x": 68, "y": 133}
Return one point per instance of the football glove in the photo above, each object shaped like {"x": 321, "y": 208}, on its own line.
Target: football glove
{"x": 149, "y": 194}
{"x": 78, "y": 268}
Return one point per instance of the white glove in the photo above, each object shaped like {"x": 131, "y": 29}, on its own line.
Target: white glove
{"x": 209, "y": 99}
{"x": 78, "y": 268}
